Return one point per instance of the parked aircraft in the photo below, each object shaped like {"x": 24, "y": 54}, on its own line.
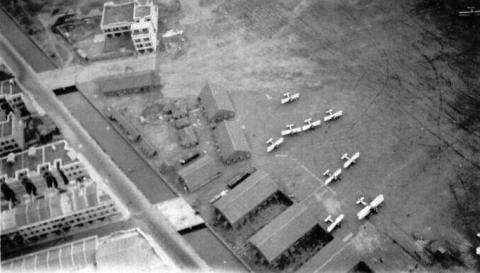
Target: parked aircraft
{"x": 332, "y": 115}
{"x": 289, "y": 98}
{"x": 334, "y": 223}
{"x": 349, "y": 161}
{"x": 274, "y": 144}
{"x": 332, "y": 177}
{"x": 368, "y": 208}
{"x": 471, "y": 11}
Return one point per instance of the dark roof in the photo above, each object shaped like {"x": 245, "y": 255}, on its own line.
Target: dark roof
{"x": 129, "y": 80}
{"x": 246, "y": 196}
{"x": 199, "y": 172}
{"x": 215, "y": 98}
{"x": 281, "y": 233}
{"x": 117, "y": 13}
{"x": 230, "y": 138}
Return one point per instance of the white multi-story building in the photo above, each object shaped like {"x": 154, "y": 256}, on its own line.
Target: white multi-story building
{"x": 137, "y": 18}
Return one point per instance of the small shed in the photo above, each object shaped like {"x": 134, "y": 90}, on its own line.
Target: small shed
{"x": 231, "y": 142}
{"x": 199, "y": 173}
{"x": 216, "y": 102}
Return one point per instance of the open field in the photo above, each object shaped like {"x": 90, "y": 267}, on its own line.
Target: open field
{"x": 403, "y": 72}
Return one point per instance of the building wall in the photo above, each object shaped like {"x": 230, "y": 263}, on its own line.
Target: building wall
{"x": 116, "y": 29}
{"x": 143, "y": 31}
{"x": 235, "y": 157}
{"x": 15, "y": 141}
{"x": 61, "y": 224}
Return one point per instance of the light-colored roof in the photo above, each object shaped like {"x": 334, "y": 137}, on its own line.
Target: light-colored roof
{"x": 65, "y": 257}
{"x": 117, "y": 13}
{"x": 129, "y": 80}
{"x": 179, "y": 213}
{"x": 9, "y": 88}
{"x": 230, "y": 138}
{"x": 281, "y": 233}
{"x": 79, "y": 197}
{"x": 124, "y": 251}
{"x": 215, "y": 98}
{"x": 199, "y": 172}
{"x": 130, "y": 252}
{"x": 246, "y": 196}
{"x": 43, "y": 154}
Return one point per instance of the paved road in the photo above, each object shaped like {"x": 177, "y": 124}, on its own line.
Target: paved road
{"x": 147, "y": 181}
{"x": 143, "y": 211}
{"x": 23, "y": 44}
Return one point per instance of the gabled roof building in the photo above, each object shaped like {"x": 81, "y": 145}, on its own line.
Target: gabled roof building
{"x": 283, "y": 232}
{"x": 199, "y": 173}
{"x": 235, "y": 207}
{"x": 216, "y": 103}
{"x": 231, "y": 142}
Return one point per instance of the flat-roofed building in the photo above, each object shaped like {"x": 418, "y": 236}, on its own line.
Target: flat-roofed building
{"x": 56, "y": 158}
{"x": 284, "y": 234}
{"x": 129, "y": 83}
{"x": 216, "y": 103}
{"x": 245, "y": 199}
{"x": 231, "y": 143}
{"x": 199, "y": 173}
{"x": 136, "y": 18}
{"x": 12, "y": 137}
{"x": 83, "y": 203}
{"x": 124, "y": 251}
{"x": 11, "y": 97}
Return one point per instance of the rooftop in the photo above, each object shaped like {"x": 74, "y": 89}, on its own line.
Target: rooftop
{"x": 129, "y": 80}
{"x": 215, "y": 98}
{"x": 246, "y": 196}
{"x": 142, "y": 11}
{"x": 6, "y": 127}
{"x": 78, "y": 197}
{"x": 9, "y": 88}
{"x": 281, "y": 233}
{"x": 230, "y": 138}
{"x": 199, "y": 172}
{"x": 118, "y": 252}
{"x": 179, "y": 213}
{"x": 34, "y": 157}
{"x": 117, "y": 13}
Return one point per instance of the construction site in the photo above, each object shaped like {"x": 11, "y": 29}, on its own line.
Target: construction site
{"x": 309, "y": 136}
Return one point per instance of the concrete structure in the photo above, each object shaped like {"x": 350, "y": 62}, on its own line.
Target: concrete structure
{"x": 81, "y": 204}
{"x": 198, "y": 173}
{"x": 125, "y": 251}
{"x": 136, "y": 18}
{"x": 12, "y": 137}
{"x": 129, "y": 83}
{"x": 12, "y": 94}
{"x": 180, "y": 214}
{"x": 246, "y": 198}
{"x": 284, "y": 234}
{"x": 56, "y": 158}
{"x": 216, "y": 103}
{"x": 231, "y": 143}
